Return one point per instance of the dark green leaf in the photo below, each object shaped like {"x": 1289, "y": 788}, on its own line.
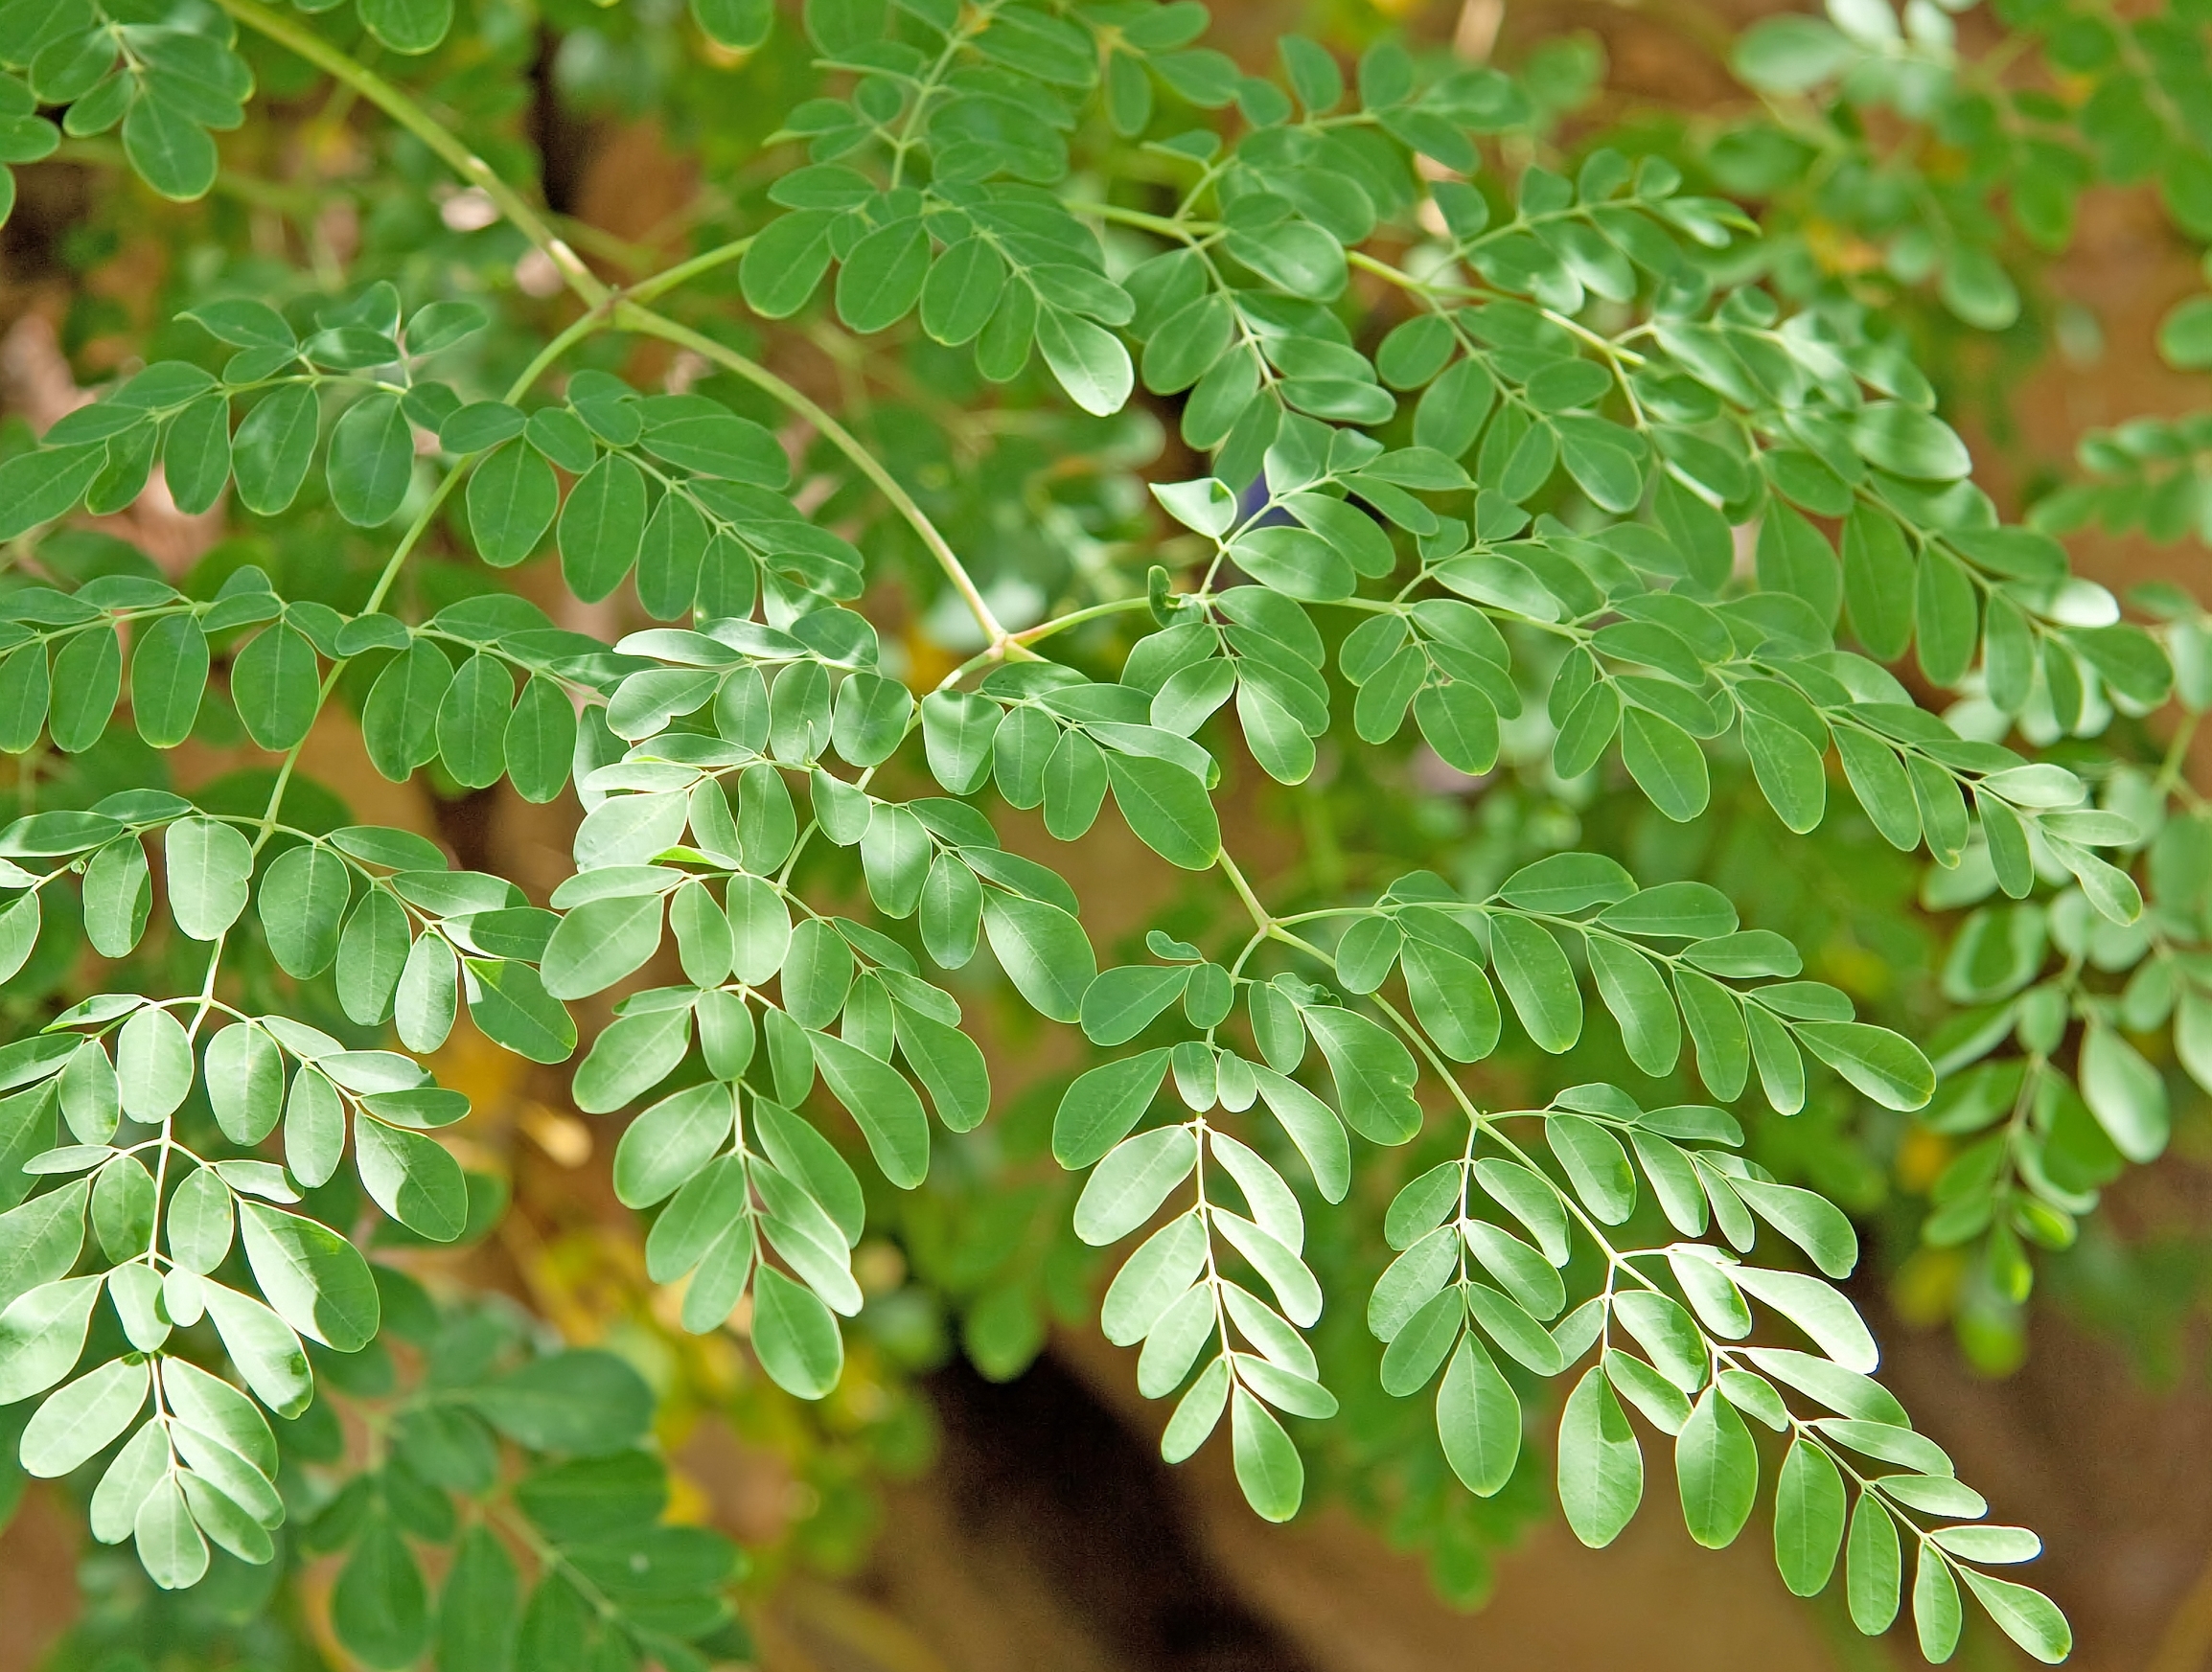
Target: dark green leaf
{"x": 1043, "y": 952}
{"x": 276, "y": 683}
{"x": 602, "y": 526}
{"x": 274, "y": 445}
{"x": 513, "y": 495}
{"x": 372, "y": 459}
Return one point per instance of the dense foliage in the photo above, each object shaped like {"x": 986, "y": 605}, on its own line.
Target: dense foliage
{"x": 1573, "y": 609}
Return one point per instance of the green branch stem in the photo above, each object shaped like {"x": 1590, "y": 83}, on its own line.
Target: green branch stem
{"x": 1262, "y": 920}
{"x": 684, "y": 272}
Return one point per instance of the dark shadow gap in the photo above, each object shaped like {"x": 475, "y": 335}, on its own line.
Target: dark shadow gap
{"x": 1042, "y": 1463}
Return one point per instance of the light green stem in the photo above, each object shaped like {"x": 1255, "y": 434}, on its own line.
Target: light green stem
{"x": 684, "y": 272}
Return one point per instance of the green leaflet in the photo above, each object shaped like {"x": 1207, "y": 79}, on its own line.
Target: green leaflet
{"x": 786, "y": 263}
{"x": 1100, "y": 1107}
{"x": 670, "y": 1142}
{"x": 1871, "y": 1565}
{"x": 371, "y": 952}
{"x": 1075, "y": 784}
{"x": 957, "y": 731}
{"x": 413, "y": 1179}
{"x": 1595, "y": 1163}
{"x": 513, "y": 496}
{"x": 1811, "y": 1221}
{"x": 1088, "y": 361}
{"x": 883, "y": 276}
{"x": 2123, "y": 1091}
{"x": 1666, "y": 763}
{"x": 476, "y": 1606}
{"x": 883, "y": 1103}
{"x": 817, "y": 974}
{"x": 272, "y": 447}
{"x": 670, "y": 553}
{"x": 1637, "y": 996}
{"x": 19, "y": 926}
{"x": 170, "y": 1546}
{"x": 275, "y": 681}
{"x": 632, "y": 1055}
{"x": 79, "y": 1420}
{"x": 1935, "y": 1607}
{"x": 1121, "y": 1003}
{"x": 804, "y": 1156}
{"x": 1268, "y": 1468}
{"x": 509, "y": 1001}
{"x": 41, "y": 1334}
{"x": 599, "y": 943}
{"x": 39, "y": 1240}
{"x": 1536, "y": 978}
{"x": 122, "y": 1202}
{"x": 1886, "y": 1066}
{"x": 153, "y": 1067}
{"x": 1168, "y": 808}
{"x": 602, "y": 525}
{"x": 796, "y": 1336}
{"x": 1478, "y": 1418}
{"x": 539, "y": 741}
{"x": 301, "y": 901}
{"x": 380, "y": 1605}
{"x": 1879, "y": 582}
{"x": 199, "y": 1221}
{"x": 399, "y": 723}
{"x": 1822, "y": 1312}
{"x": 209, "y": 867}
{"x": 472, "y": 720}
{"x": 1600, "y": 1467}
{"x": 1043, "y": 949}
{"x": 26, "y": 688}
{"x": 316, "y": 1280}
{"x": 895, "y": 855}
{"x": 1789, "y": 771}
{"x": 1808, "y": 1505}
{"x": 1794, "y": 557}
{"x": 87, "y": 677}
{"x": 168, "y": 667}
{"x": 263, "y": 1348}
{"x": 2027, "y": 1616}
{"x": 407, "y": 25}
{"x": 1375, "y": 1074}
{"x": 38, "y": 487}
{"x": 1717, "y": 1468}
{"x": 949, "y": 1063}
{"x": 372, "y": 458}
{"x": 961, "y": 289}
{"x": 1129, "y": 1184}
{"x": 427, "y": 1000}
